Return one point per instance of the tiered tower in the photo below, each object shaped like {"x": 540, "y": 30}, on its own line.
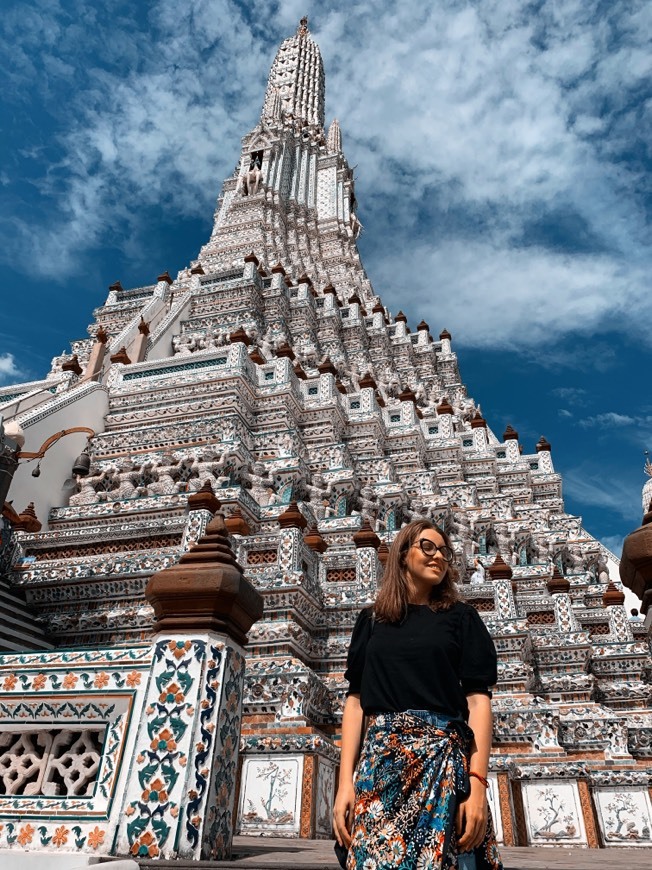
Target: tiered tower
{"x": 269, "y": 377}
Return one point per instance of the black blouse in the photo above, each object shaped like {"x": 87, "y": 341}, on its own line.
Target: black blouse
{"x": 430, "y": 661}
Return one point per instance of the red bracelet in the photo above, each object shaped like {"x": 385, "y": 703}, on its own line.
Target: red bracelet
{"x": 483, "y": 779}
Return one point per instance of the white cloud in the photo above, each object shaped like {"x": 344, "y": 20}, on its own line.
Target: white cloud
{"x": 9, "y": 371}
{"x": 489, "y": 140}
{"x": 574, "y": 395}
{"x": 614, "y": 543}
{"x": 588, "y": 488}
{"x": 614, "y": 420}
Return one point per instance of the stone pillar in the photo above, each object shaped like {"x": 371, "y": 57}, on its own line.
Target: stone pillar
{"x": 179, "y": 800}
{"x": 479, "y": 428}
{"x": 505, "y": 804}
{"x": 139, "y": 347}
{"x": 290, "y": 541}
{"x": 96, "y": 359}
{"x": 8, "y": 463}
{"x": 367, "y": 565}
{"x": 588, "y": 814}
{"x": 512, "y": 449}
{"x": 445, "y": 418}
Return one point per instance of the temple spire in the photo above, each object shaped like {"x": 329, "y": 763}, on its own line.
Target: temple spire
{"x": 334, "y": 140}
{"x": 297, "y": 75}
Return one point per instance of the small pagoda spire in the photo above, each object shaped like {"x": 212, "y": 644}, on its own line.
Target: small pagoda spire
{"x": 365, "y": 536}
{"x": 612, "y": 595}
{"x": 297, "y": 80}
{"x": 206, "y": 590}
{"x": 383, "y": 552}
{"x": 558, "y": 583}
{"x": 334, "y": 139}
{"x": 292, "y": 518}
{"x": 28, "y": 521}
{"x": 314, "y": 539}
{"x": 204, "y": 499}
{"x": 499, "y": 569}
{"x": 236, "y": 524}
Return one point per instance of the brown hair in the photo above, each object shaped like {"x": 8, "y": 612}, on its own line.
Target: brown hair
{"x": 392, "y": 599}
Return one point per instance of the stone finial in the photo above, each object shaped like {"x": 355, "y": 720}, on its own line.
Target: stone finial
{"x": 284, "y": 350}
{"x": 143, "y": 327}
{"x": 326, "y": 367}
{"x": 72, "y": 365}
{"x": 445, "y": 334}
{"x": 314, "y": 540}
{"x": 165, "y": 276}
{"x": 499, "y": 569}
{"x": 329, "y": 290}
{"x": 383, "y": 553}
{"x": 422, "y": 326}
{"x": 478, "y": 421}
{"x": 262, "y": 272}
{"x": 239, "y": 335}
{"x": 304, "y": 279}
{"x": 365, "y": 536}
{"x": 256, "y": 356}
{"x": 116, "y": 287}
{"x": 206, "y": 590}
{"x": 28, "y": 521}
{"x": 444, "y": 407}
{"x": 400, "y": 318}
{"x": 299, "y": 372}
{"x": 612, "y": 595}
{"x": 197, "y": 269}
{"x": 236, "y": 524}
{"x": 204, "y": 499}
{"x": 354, "y": 299}
{"x": 252, "y": 258}
{"x": 542, "y": 445}
{"x": 121, "y": 357}
{"x": 102, "y": 335}
{"x": 366, "y": 381}
{"x": 378, "y": 308}
{"x": 277, "y": 269}
{"x": 557, "y": 583}
{"x": 510, "y": 434}
{"x": 292, "y": 518}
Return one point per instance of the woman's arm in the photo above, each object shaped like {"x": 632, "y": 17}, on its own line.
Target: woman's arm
{"x": 472, "y": 812}
{"x": 352, "y": 720}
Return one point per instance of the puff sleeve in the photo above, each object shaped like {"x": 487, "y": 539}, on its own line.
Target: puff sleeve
{"x": 479, "y": 662}
{"x": 357, "y": 651}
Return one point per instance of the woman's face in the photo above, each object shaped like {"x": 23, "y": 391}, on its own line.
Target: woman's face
{"x": 424, "y": 572}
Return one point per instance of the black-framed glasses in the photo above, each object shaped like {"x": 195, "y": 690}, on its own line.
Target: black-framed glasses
{"x": 429, "y": 548}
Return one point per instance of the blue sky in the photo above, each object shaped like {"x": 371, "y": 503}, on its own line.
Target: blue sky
{"x": 502, "y": 152}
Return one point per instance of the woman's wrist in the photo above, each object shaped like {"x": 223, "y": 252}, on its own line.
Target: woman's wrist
{"x": 479, "y": 779}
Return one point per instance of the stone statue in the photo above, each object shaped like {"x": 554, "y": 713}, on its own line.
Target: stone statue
{"x": 478, "y": 575}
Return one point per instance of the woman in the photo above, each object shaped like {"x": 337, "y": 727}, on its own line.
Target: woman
{"x": 420, "y": 665}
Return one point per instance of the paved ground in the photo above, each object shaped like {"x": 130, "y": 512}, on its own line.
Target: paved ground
{"x": 275, "y": 853}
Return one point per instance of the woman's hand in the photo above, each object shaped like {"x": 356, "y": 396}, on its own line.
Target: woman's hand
{"x": 343, "y": 813}
{"x": 471, "y": 819}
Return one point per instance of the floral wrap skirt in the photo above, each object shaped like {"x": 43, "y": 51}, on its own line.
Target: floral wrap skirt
{"x": 411, "y": 774}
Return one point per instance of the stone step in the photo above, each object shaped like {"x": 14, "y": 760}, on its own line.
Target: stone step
{"x": 276, "y": 853}
{"x": 19, "y": 630}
